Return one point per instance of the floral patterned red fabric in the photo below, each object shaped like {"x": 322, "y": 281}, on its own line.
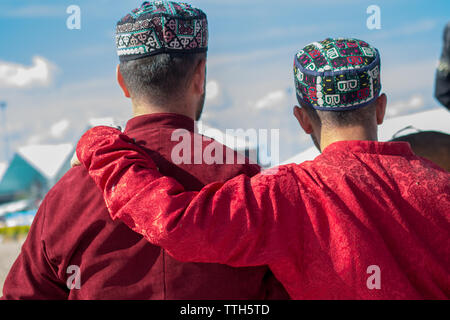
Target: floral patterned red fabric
{"x": 322, "y": 226}
{"x": 72, "y": 228}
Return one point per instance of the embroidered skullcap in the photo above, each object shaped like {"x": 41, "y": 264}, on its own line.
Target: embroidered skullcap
{"x": 337, "y": 74}
{"x": 161, "y": 27}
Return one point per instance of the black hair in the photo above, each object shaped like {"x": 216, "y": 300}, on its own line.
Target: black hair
{"x": 160, "y": 77}
{"x": 341, "y": 118}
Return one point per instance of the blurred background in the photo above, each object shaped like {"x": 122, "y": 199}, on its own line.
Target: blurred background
{"x": 56, "y": 82}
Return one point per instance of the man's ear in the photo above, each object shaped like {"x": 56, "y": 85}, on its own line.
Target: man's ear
{"x": 199, "y": 77}
{"x": 121, "y": 82}
{"x": 303, "y": 119}
{"x": 381, "y": 103}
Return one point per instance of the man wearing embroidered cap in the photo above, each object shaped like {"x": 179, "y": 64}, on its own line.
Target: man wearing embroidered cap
{"x": 364, "y": 220}
{"x": 162, "y": 27}
{"x": 162, "y": 47}
{"x": 342, "y": 74}
{"x": 74, "y": 251}
{"x": 338, "y": 85}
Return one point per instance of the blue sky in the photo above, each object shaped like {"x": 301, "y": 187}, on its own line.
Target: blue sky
{"x": 252, "y": 44}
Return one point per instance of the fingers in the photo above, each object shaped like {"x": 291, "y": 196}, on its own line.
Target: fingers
{"x": 74, "y": 162}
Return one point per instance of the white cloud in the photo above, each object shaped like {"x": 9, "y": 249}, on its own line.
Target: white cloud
{"x": 403, "y": 79}
{"x": 35, "y": 139}
{"x": 32, "y": 113}
{"x": 60, "y": 128}
{"x": 414, "y": 103}
{"x": 212, "y": 90}
{"x": 19, "y": 76}
{"x": 271, "y": 100}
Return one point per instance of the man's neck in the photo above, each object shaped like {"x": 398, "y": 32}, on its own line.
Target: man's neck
{"x": 145, "y": 109}
{"x": 346, "y": 134}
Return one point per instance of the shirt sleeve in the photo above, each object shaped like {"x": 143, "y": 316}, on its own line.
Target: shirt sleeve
{"x": 243, "y": 222}
{"x": 32, "y": 276}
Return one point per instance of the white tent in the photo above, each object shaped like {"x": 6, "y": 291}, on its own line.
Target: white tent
{"x": 432, "y": 120}
{"x": 47, "y": 159}
{"x": 33, "y": 170}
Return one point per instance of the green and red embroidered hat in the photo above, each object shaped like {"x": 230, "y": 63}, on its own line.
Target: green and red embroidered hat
{"x": 161, "y": 27}
{"x": 337, "y": 74}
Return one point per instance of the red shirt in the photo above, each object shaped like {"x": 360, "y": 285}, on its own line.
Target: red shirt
{"x": 364, "y": 220}
{"x": 72, "y": 228}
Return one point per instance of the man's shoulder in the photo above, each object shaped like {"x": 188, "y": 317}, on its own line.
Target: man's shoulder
{"x": 74, "y": 195}
{"x": 205, "y": 158}
{"x": 75, "y": 182}
{"x": 427, "y": 170}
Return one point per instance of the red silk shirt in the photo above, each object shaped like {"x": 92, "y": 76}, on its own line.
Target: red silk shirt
{"x": 72, "y": 229}
{"x": 364, "y": 220}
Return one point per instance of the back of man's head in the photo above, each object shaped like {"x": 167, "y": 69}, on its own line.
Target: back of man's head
{"x": 159, "y": 46}
{"x": 159, "y": 78}
{"x": 337, "y": 81}
{"x": 431, "y": 145}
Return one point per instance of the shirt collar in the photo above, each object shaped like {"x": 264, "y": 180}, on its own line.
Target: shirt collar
{"x": 159, "y": 120}
{"x": 374, "y": 147}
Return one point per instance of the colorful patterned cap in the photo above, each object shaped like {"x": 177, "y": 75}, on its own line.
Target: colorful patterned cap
{"x": 337, "y": 74}
{"x": 161, "y": 27}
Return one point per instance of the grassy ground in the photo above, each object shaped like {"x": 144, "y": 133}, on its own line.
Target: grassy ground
{"x": 14, "y": 233}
